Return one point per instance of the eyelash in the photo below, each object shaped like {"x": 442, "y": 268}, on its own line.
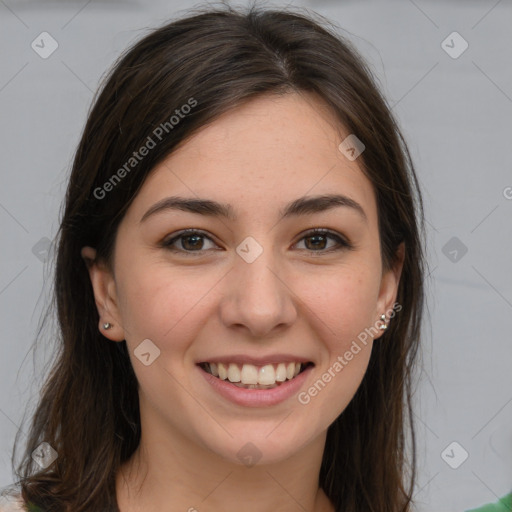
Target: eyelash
{"x": 342, "y": 243}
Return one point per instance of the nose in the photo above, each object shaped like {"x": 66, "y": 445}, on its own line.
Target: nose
{"x": 259, "y": 298}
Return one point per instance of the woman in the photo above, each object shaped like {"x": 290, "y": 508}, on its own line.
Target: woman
{"x": 239, "y": 282}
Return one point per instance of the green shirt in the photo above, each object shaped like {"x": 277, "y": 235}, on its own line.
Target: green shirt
{"x": 503, "y": 505}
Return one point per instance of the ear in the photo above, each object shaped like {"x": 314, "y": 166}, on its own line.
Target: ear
{"x": 389, "y": 287}
{"x": 104, "y": 288}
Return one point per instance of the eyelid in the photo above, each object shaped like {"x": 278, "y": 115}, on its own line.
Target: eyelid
{"x": 168, "y": 241}
{"x": 342, "y": 242}
{"x": 324, "y": 231}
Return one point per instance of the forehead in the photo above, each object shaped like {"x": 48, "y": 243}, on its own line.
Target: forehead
{"x": 266, "y": 152}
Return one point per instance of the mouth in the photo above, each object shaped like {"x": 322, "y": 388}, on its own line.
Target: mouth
{"x": 250, "y": 376}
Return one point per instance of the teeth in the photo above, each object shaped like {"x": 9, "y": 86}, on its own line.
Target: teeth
{"x": 249, "y": 374}
{"x": 253, "y": 376}
{"x": 233, "y": 373}
{"x": 267, "y": 375}
{"x": 223, "y": 372}
{"x": 281, "y": 372}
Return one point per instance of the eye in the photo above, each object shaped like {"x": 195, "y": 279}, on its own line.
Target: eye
{"x": 319, "y": 238}
{"x": 192, "y": 241}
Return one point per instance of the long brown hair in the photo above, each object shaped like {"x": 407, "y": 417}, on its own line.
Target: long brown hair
{"x": 89, "y": 410}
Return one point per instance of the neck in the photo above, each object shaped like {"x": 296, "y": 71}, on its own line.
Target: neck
{"x": 175, "y": 474}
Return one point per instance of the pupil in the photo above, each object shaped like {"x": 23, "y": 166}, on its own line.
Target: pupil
{"x": 194, "y": 246}
{"x": 317, "y": 237}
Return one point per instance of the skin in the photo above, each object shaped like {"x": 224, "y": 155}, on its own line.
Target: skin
{"x": 294, "y": 298}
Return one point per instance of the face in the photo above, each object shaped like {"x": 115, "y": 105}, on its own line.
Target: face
{"x": 255, "y": 290}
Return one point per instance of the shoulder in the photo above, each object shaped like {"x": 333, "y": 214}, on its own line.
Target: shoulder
{"x": 12, "y": 502}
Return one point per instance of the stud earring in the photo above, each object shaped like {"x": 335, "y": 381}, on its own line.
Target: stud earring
{"x": 384, "y": 326}
{"x": 107, "y": 326}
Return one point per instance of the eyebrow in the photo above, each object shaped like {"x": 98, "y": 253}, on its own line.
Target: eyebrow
{"x": 301, "y": 206}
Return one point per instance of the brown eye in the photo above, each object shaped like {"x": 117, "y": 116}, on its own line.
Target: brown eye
{"x": 190, "y": 241}
{"x": 318, "y": 239}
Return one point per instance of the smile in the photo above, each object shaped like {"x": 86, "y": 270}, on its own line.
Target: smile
{"x": 250, "y": 376}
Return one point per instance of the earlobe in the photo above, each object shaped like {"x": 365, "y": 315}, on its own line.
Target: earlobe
{"x": 105, "y": 297}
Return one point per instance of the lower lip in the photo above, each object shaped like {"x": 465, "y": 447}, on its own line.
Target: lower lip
{"x": 256, "y": 397}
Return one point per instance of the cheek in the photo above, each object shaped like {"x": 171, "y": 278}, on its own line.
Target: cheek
{"x": 344, "y": 302}
{"x": 344, "y": 311}
{"x": 158, "y": 304}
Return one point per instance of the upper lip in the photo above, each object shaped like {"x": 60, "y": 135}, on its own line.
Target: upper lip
{"x": 257, "y": 361}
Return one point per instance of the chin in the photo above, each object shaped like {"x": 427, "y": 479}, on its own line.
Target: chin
{"x": 258, "y": 449}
